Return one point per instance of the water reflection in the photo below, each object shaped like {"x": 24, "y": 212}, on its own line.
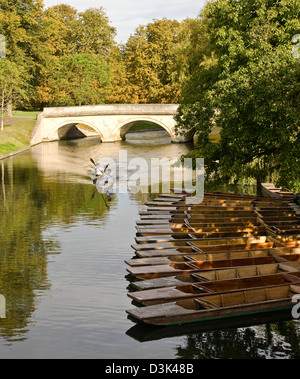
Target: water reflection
{"x": 29, "y": 205}
{"x": 260, "y": 336}
{"x": 62, "y": 267}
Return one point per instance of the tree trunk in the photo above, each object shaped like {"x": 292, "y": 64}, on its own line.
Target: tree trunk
{"x": 2, "y": 112}
{"x": 9, "y": 109}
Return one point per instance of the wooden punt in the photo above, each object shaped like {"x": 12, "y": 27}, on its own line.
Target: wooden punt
{"x": 230, "y": 254}
{"x": 186, "y": 250}
{"x": 223, "y": 207}
{"x": 158, "y": 271}
{"x": 183, "y": 223}
{"x": 287, "y": 240}
{"x": 156, "y": 250}
{"x": 189, "y": 291}
{"x": 284, "y": 223}
{"x": 193, "y": 236}
{"x": 269, "y": 189}
{"x": 213, "y": 275}
{"x": 218, "y": 215}
{"x": 162, "y": 206}
{"x": 207, "y": 201}
{"x": 231, "y": 196}
{"x": 210, "y": 232}
{"x": 218, "y": 306}
{"x": 200, "y": 215}
{"x": 187, "y": 233}
{"x": 196, "y": 242}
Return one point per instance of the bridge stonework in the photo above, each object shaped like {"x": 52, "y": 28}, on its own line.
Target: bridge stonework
{"x": 110, "y": 122}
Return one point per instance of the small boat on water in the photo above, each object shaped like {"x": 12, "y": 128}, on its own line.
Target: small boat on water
{"x": 217, "y": 255}
{"x": 201, "y": 244}
{"x": 189, "y": 291}
{"x": 158, "y": 271}
{"x": 218, "y": 306}
{"x": 213, "y": 275}
{"x": 269, "y": 189}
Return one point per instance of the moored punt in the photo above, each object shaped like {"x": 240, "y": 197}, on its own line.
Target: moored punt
{"x": 229, "y": 254}
{"x": 269, "y": 189}
{"x": 213, "y": 214}
{"x": 197, "y": 243}
{"x": 213, "y": 275}
{"x": 223, "y": 207}
{"x": 198, "y": 238}
{"x": 195, "y": 230}
{"x": 175, "y": 224}
{"x": 217, "y": 306}
{"x": 137, "y": 262}
{"x": 143, "y": 237}
{"x": 158, "y": 271}
{"x": 152, "y": 250}
{"x": 288, "y": 240}
{"x": 189, "y": 291}
{"x": 185, "y": 250}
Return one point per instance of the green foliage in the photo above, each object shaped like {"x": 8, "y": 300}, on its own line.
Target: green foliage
{"x": 149, "y": 58}
{"x": 12, "y": 83}
{"x": 250, "y": 89}
{"x": 78, "y": 79}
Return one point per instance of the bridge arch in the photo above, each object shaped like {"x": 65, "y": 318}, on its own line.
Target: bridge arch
{"x": 72, "y": 129}
{"x": 123, "y": 127}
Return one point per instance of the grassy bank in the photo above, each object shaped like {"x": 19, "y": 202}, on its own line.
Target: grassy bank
{"x": 25, "y": 114}
{"x": 16, "y": 136}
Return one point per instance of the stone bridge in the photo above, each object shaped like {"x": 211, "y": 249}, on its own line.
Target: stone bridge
{"x": 109, "y": 122}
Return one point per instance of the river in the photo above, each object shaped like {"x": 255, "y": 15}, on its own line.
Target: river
{"x": 62, "y": 269}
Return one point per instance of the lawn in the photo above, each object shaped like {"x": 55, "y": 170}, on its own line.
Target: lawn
{"x": 25, "y": 114}
{"x": 16, "y": 136}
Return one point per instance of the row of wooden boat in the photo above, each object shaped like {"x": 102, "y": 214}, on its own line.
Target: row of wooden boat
{"x": 269, "y": 189}
{"x": 227, "y": 256}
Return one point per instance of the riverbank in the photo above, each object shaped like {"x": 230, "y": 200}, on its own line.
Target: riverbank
{"x": 16, "y": 135}
{"x": 18, "y": 129}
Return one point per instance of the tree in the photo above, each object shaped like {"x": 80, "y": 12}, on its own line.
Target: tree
{"x": 94, "y": 34}
{"x": 78, "y": 79}
{"x": 21, "y": 25}
{"x": 149, "y": 58}
{"x": 69, "y": 33}
{"x": 12, "y": 78}
{"x": 249, "y": 87}
{"x": 60, "y": 24}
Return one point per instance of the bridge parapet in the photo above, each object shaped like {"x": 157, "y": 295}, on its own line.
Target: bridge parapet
{"x": 109, "y": 121}
{"x": 112, "y": 109}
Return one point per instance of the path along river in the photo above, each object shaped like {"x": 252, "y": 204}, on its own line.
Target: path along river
{"x": 62, "y": 269}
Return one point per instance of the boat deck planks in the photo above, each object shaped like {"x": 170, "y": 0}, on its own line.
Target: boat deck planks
{"x": 226, "y": 256}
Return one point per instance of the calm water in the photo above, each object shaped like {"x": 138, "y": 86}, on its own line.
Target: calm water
{"x": 62, "y": 267}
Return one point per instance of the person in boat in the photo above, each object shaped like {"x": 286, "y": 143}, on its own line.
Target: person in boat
{"x": 108, "y": 184}
{"x": 103, "y": 179}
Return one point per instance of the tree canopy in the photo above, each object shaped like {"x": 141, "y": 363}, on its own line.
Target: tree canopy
{"x": 149, "y": 59}
{"x": 248, "y": 86}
